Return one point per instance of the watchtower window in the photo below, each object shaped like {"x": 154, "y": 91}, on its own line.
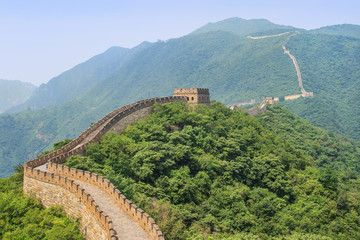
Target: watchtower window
{"x": 192, "y": 98}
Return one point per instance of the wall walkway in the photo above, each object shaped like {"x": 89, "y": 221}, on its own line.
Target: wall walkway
{"x": 81, "y": 193}
{"x": 304, "y": 93}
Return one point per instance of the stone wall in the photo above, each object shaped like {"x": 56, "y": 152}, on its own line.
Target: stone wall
{"x": 123, "y": 123}
{"x": 109, "y": 120}
{"x": 53, "y": 190}
{"x": 136, "y": 213}
{"x": 292, "y": 97}
{"x": 51, "y": 194}
{"x": 57, "y": 187}
{"x": 262, "y": 108}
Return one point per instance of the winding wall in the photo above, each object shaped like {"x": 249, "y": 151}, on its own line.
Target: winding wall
{"x": 45, "y": 183}
{"x": 304, "y": 93}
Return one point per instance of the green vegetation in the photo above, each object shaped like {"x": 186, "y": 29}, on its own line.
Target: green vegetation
{"x": 213, "y": 172}
{"x": 242, "y": 27}
{"x": 73, "y": 82}
{"x": 25, "y": 218}
{"x": 348, "y": 30}
{"x": 330, "y": 67}
{"x": 325, "y": 149}
{"x": 13, "y": 93}
{"x": 219, "y": 57}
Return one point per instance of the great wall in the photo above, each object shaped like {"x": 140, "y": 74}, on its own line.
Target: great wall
{"x": 304, "y": 93}
{"x": 85, "y": 195}
{"x": 103, "y": 211}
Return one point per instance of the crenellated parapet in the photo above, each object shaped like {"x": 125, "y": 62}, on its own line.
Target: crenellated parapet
{"x": 142, "y": 218}
{"x": 58, "y": 182}
{"x": 55, "y": 184}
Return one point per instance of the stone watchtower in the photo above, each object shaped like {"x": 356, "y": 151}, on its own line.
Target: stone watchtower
{"x": 194, "y": 95}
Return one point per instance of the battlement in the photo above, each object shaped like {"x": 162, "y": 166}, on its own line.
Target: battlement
{"x": 56, "y": 186}
{"x": 194, "y": 95}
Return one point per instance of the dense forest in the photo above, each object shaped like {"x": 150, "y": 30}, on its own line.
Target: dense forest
{"x": 25, "y": 218}
{"x": 213, "y": 173}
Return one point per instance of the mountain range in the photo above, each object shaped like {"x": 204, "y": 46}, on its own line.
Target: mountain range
{"x": 219, "y": 56}
{"x": 13, "y": 93}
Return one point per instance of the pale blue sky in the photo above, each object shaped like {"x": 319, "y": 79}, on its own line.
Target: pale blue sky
{"x": 40, "y": 39}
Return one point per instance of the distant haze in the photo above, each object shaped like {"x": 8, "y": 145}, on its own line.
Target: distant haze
{"x": 41, "y": 39}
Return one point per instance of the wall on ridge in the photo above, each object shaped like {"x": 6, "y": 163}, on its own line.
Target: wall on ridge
{"x": 58, "y": 188}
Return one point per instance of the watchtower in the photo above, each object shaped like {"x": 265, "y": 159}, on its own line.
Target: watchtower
{"x": 194, "y": 95}
{"x": 270, "y": 100}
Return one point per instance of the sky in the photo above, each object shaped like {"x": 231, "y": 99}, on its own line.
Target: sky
{"x": 40, "y": 39}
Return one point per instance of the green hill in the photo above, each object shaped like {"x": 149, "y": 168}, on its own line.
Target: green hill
{"x": 347, "y": 30}
{"x": 234, "y": 67}
{"x": 75, "y": 81}
{"x": 330, "y": 67}
{"x": 244, "y": 27}
{"x": 25, "y": 218}
{"x": 221, "y": 173}
{"x": 13, "y": 93}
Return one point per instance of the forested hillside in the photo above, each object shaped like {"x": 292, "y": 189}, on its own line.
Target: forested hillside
{"x": 13, "y": 93}
{"x": 77, "y": 80}
{"x": 25, "y": 218}
{"x": 218, "y": 60}
{"x": 330, "y": 67}
{"x": 218, "y": 56}
{"x": 347, "y": 30}
{"x": 216, "y": 172}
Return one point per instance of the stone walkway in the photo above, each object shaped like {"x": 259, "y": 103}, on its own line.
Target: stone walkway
{"x": 125, "y": 227}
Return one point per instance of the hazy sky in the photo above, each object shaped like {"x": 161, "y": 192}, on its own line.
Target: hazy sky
{"x": 39, "y": 39}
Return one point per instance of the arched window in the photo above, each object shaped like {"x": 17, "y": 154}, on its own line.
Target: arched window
{"x": 187, "y": 98}
{"x": 192, "y": 98}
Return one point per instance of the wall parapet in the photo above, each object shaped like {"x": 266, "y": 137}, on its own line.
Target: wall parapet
{"x": 87, "y": 200}
{"x": 136, "y": 213}
{"x": 118, "y": 113}
{"x": 62, "y": 176}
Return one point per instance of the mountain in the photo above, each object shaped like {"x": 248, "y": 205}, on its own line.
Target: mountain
{"x": 244, "y": 27}
{"x": 78, "y": 79}
{"x": 13, "y": 93}
{"x": 235, "y": 67}
{"x": 219, "y": 60}
{"x": 214, "y": 173}
{"x": 330, "y": 67}
{"x": 347, "y": 30}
